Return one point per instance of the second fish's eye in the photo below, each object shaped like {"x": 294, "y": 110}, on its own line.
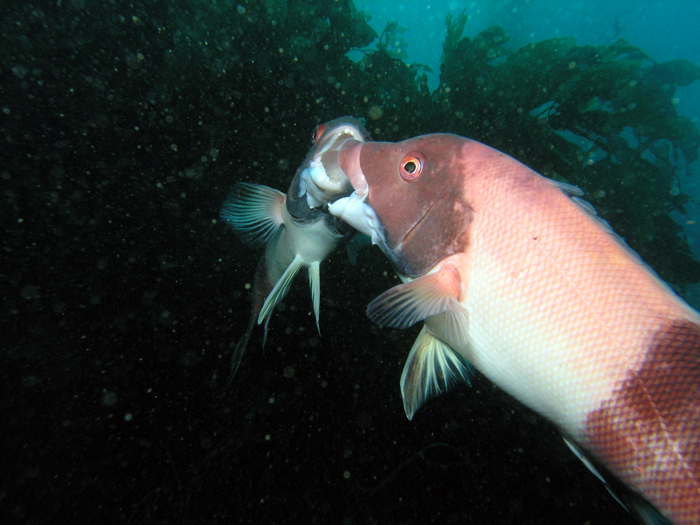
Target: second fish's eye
{"x": 411, "y": 167}
{"x": 318, "y": 133}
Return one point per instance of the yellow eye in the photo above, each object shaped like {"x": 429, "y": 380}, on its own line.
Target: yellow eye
{"x": 411, "y": 167}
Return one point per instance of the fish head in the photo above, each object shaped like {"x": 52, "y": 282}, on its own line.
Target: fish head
{"x": 410, "y": 197}
{"x": 320, "y": 180}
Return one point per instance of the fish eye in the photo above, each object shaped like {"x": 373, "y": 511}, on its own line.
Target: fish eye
{"x": 318, "y": 133}
{"x": 411, "y": 167}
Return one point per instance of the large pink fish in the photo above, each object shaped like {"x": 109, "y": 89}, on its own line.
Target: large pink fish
{"x": 514, "y": 274}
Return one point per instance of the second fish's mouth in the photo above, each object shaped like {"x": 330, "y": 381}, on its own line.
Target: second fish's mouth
{"x": 323, "y": 181}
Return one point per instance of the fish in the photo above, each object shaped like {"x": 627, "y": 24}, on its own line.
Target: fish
{"x": 515, "y": 275}
{"x": 295, "y": 228}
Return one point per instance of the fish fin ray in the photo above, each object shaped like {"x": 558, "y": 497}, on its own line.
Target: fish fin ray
{"x": 432, "y": 368}
{"x": 457, "y": 326}
{"x": 566, "y": 188}
{"x": 254, "y": 212}
{"x": 239, "y": 350}
{"x": 645, "y": 512}
{"x": 279, "y": 291}
{"x": 587, "y": 462}
{"x": 315, "y": 282}
{"x": 267, "y": 322}
{"x": 406, "y": 304}
{"x": 575, "y": 194}
{"x": 588, "y": 208}
{"x": 630, "y": 500}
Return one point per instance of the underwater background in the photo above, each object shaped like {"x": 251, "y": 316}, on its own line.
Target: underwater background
{"x": 123, "y": 126}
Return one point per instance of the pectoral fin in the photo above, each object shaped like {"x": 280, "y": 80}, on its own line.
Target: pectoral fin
{"x": 254, "y": 212}
{"x": 280, "y": 289}
{"x": 406, "y": 304}
{"x": 432, "y": 367}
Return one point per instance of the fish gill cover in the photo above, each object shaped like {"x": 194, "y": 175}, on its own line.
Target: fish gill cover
{"x": 124, "y": 126}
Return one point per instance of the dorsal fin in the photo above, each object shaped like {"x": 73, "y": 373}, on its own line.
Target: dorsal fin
{"x": 568, "y": 189}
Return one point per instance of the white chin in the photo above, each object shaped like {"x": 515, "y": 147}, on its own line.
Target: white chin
{"x": 313, "y": 179}
{"x": 355, "y": 211}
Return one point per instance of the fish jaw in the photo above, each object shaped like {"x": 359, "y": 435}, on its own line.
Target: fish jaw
{"x": 416, "y": 222}
{"x": 355, "y": 211}
{"x": 324, "y": 178}
{"x": 318, "y": 187}
{"x": 320, "y": 180}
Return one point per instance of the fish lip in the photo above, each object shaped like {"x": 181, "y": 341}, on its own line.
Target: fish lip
{"x": 349, "y": 162}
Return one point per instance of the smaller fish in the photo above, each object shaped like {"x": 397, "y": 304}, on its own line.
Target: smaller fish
{"x": 295, "y": 229}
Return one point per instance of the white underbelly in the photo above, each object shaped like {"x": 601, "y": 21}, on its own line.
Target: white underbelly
{"x": 543, "y": 349}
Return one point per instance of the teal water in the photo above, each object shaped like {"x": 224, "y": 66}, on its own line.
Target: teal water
{"x": 665, "y": 30}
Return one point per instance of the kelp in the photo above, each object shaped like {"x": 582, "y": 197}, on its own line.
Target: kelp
{"x": 391, "y": 40}
{"x": 601, "y": 117}
{"x": 222, "y": 36}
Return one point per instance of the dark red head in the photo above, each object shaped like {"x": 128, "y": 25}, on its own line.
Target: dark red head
{"x": 416, "y": 189}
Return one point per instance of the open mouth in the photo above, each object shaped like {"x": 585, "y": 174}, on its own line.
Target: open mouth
{"x": 323, "y": 180}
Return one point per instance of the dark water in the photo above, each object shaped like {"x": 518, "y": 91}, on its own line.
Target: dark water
{"x": 123, "y": 127}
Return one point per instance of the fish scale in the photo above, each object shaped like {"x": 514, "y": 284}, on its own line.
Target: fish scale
{"x": 581, "y": 316}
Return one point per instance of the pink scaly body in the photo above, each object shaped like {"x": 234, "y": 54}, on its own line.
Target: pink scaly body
{"x": 612, "y": 356}
{"x": 560, "y": 313}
